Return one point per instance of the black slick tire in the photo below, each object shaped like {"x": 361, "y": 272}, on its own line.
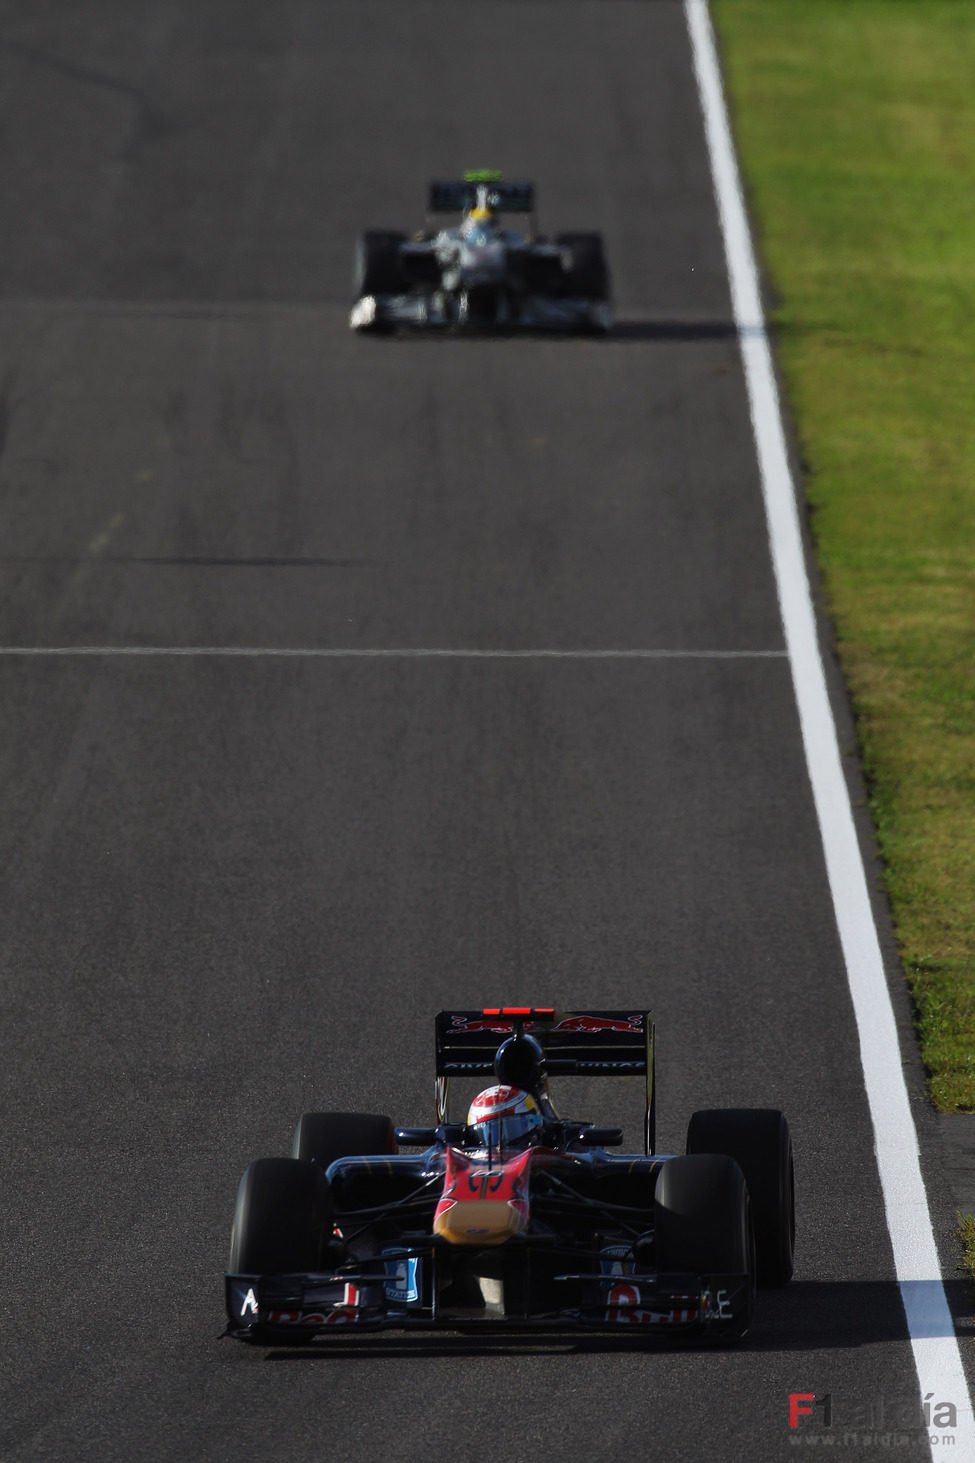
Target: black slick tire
{"x": 586, "y": 273}
{"x": 759, "y": 1141}
{"x": 282, "y": 1217}
{"x": 702, "y": 1226}
{"x": 377, "y": 268}
{"x": 322, "y": 1137}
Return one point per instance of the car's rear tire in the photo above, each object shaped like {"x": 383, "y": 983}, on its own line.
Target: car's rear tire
{"x": 702, "y": 1226}
{"x": 322, "y": 1137}
{"x": 759, "y": 1141}
{"x": 282, "y": 1218}
{"x": 586, "y": 272}
{"x": 377, "y": 267}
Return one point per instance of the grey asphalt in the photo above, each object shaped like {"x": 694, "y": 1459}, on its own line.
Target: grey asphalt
{"x": 238, "y": 886}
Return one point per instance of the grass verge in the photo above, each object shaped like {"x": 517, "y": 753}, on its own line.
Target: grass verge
{"x": 966, "y": 1229}
{"x": 855, "y": 122}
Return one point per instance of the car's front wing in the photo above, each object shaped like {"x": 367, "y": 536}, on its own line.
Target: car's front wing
{"x": 432, "y": 311}
{"x": 400, "y": 1289}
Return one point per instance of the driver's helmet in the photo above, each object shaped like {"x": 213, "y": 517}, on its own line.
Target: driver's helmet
{"x": 504, "y": 1117}
{"x": 479, "y": 225}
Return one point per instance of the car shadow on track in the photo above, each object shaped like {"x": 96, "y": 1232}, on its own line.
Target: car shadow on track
{"x": 622, "y": 332}
{"x": 811, "y": 1315}
{"x": 805, "y": 1316}
{"x": 684, "y": 330}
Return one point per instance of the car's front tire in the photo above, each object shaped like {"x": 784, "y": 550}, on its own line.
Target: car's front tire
{"x": 702, "y": 1226}
{"x": 281, "y": 1220}
{"x": 586, "y": 272}
{"x": 377, "y": 264}
{"x": 759, "y": 1141}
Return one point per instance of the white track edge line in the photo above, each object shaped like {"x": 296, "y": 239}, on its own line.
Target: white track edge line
{"x": 380, "y": 653}
{"x": 935, "y": 1346}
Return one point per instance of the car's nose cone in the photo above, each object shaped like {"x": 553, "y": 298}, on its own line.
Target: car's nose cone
{"x": 482, "y": 263}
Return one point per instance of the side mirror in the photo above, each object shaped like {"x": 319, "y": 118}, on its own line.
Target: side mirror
{"x": 600, "y": 1137}
{"x": 416, "y": 1137}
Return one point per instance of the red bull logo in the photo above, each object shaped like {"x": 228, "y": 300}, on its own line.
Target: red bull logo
{"x": 633, "y": 1024}
{"x": 502, "y": 1025}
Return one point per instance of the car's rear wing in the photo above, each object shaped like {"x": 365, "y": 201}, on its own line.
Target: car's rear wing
{"x": 575, "y": 1043}
{"x": 458, "y": 197}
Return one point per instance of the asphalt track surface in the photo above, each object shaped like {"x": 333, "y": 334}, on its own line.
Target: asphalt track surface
{"x": 238, "y": 886}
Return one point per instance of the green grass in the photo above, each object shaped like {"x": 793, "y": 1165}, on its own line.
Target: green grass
{"x": 966, "y": 1229}
{"x": 855, "y": 121}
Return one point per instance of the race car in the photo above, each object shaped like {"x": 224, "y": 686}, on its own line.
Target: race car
{"x": 479, "y": 274}
{"x": 516, "y": 1218}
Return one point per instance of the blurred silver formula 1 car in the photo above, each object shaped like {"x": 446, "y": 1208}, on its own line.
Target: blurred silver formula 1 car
{"x": 478, "y": 274}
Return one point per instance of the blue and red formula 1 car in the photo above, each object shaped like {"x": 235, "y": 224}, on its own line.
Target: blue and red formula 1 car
{"x": 516, "y": 1218}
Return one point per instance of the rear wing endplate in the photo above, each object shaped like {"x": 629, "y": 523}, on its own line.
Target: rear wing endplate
{"x": 575, "y": 1043}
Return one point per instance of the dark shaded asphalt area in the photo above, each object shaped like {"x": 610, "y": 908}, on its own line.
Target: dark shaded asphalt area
{"x": 237, "y": 887}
